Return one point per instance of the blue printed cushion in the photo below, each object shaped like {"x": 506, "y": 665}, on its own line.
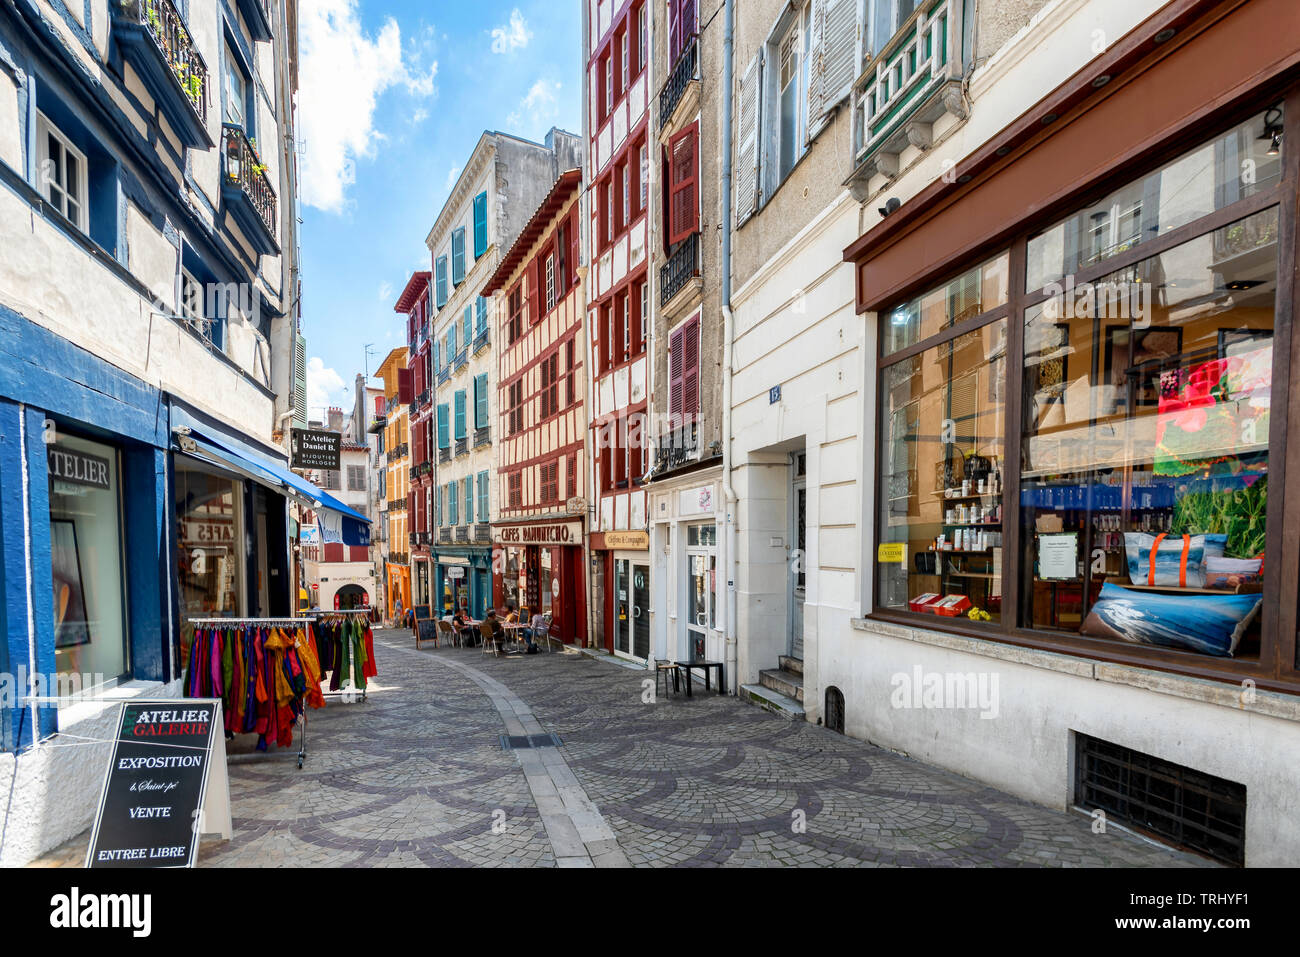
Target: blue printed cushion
{"x": 1210, "y": 624}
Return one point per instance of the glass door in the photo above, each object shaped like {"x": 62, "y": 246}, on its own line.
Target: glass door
{"x": 641, "y": 611}
{"x": 701, "y": 588}
{"x": 622, "y": 607}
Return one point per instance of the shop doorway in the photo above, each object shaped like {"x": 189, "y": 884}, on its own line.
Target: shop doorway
{"x": 632, "y": 608}
{"x": 349, "y": 597}
{"x": 701, "y": 588}
{"x": 799, "y": 554}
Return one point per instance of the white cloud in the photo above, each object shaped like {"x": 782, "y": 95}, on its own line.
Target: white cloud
{"x": 343, "y": 72}
{"x": 512, "y": 36}
{"x": 538, "y": 110}
{"x": 385, "y": 291}
{"x": 451, "y": 178}
{"x": 325, "y": 387}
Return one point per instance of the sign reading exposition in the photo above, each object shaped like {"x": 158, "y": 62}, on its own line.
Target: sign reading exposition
{"x": 149, "y": 812}
{"x": 314, "y": 449}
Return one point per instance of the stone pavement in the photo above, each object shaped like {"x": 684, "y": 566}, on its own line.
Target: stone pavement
{"x": 416, "y": 775}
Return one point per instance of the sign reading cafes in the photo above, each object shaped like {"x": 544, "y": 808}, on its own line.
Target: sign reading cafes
{"x": 163, "y": 788}
{"x": 315, "y": 449}
{"x": 559, "y": 533}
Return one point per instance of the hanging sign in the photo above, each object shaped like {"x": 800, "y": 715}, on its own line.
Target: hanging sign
{"x": 315, "y": 449}
{"x": 166, "y": 784}
{"x": 891, "y": 553}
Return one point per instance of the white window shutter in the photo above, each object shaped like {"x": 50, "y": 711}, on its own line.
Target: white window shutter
{"x": 816, "y": 57}
{"x": 839, "y": 46}
{"x": 747, "y": 152}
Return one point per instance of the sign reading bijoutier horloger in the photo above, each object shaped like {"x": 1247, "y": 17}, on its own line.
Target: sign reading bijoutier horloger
{"x": 166, "y": 785}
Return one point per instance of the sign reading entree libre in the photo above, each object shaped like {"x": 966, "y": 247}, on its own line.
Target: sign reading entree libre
{"x": 159, "y": 774}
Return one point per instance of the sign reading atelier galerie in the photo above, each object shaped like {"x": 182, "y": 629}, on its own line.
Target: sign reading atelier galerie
{"x": 313, "y": 449}
{"x": 163, "y": 788}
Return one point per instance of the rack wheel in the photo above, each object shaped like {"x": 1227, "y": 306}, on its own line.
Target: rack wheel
{"x": 300, "y": 762}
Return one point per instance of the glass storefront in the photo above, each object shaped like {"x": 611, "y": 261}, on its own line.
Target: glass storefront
{"x": 1143, "y": 367}
{"x": 209, "y": 518}
{"x": 86, "y": 550}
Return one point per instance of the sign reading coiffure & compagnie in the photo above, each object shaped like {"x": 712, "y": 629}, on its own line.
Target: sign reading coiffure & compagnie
{"x": 556, "y": 533}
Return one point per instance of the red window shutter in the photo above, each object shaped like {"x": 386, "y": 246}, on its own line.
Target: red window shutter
{"x": 691, "y": 369}
{"x": 333, "y": 552}
{"x": 675, "y": 369}
{"x": 684, "y": 165}
{"x": 665, "y": 194}
{"x": 404, "y": 391}
{"x": 534, "y": 300}
{"x": 574, "y": 248}
{"x": 674, "y": 31}
{"x": 358, "y": 553}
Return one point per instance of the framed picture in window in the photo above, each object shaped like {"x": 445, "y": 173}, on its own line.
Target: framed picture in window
{"x": 1138, "y": 355}
{"x": 70, "y": 625}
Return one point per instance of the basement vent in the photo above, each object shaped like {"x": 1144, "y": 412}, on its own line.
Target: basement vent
{"x": 1178, "y": 805}
{"x": 517, "y": 742}
{"x": 835, "y": 709}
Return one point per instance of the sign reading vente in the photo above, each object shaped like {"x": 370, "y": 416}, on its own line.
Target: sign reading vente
{"x": 162, "y": 768}
{"x": 315, "y": 449}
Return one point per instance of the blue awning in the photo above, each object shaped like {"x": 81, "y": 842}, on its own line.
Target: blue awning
{"x": 275, "y": 475}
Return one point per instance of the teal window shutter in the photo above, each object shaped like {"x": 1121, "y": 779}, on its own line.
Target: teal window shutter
{"x": 451, "y": 343}
{"x": 460, "y": 413}
{"x": 480, "y": 401}
{"x": 440, "y": 270}
{"x": 458, "y": 256}
{"x": 469, "y": 500}
{"x": 480, "y": 224}
{"x": 442, "y": 427}
{"x": 436, "y": 367}
{"x": 438, "y": 505}
{"x": 451, "y": 504}
{"x": 468, "y": 324}
{"x": 481, "y": 323}
{"x": 483, "y": 496}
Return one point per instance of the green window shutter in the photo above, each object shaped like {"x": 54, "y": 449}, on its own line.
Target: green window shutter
{"x": 481, "y": 324}
{"x": 483, "y": 496}
{"x": 458, "y": 256}
{"x": 451, "y": 343}
{"x": 442, "y": 427}
{"x": 480, "y": 224}
{"x": 460, "y": 413}
{"x": 467, "y": 324}
{"x": 440, "y": 270}
{"x": 436, "y": 367}
{"x": 480, "y": 401}
{"x": 452, "y": 510}
{"x": 469, "y": 500}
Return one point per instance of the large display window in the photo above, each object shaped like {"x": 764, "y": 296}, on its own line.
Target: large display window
{"x": 86, "y": 551}
{"x": 210, "y": 544}
{"x": 1075, "y": 435}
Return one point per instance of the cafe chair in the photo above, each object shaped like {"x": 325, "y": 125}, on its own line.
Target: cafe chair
{"x": 665, "y": 668}
{"x": 489, "y": 640}
{"x": 448, "y": 633}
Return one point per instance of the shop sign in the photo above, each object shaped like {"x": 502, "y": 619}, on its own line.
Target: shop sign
{"x": 456, "y": 571}
{"x": 697, "y": 500}
{"x": 635, "y": 541}
{"x": 568, "y": 533}
{"x": 315, "y": 449}
{"x": 166, "y": 785}
{"x": 77, "y": 468}
{"x": 892, "y": 553}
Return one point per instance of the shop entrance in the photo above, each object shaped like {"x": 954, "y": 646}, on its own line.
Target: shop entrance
{"x": 701, "y": 588}
{"x": 632, "y": 608}
{"x": 349, "y": 597}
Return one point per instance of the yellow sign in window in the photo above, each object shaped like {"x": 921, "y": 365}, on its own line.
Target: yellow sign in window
{"x": 892, "y": 553}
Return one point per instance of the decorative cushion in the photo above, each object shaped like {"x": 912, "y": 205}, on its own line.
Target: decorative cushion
{"x": 1210, "y": 624}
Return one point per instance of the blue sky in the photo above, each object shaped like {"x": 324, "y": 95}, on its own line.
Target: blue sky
{"x": 393, "y": 96}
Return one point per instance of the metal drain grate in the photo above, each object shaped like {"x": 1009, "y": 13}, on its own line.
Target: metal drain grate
{"x": 517, "y": 742}
{"x": 1182, "y": 806}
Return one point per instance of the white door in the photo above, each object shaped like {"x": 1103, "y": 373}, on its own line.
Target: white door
{"x": 701, "y": 588}
{"x": 799, "y": 544}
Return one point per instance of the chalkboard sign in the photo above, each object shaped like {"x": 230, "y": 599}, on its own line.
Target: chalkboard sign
{"x": 427, "y": 630}
{"x": 161, "y": 769}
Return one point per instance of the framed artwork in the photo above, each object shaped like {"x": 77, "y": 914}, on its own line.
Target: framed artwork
{"x": 70, "y": 625}
{"x": 1151, "y": 349}
{"x": 1235, "y": 342}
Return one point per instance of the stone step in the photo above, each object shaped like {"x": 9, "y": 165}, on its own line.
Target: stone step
{"x": 772, "y": 701}
{"x": 786, "y": 663}
{"x": 783, "y": 682}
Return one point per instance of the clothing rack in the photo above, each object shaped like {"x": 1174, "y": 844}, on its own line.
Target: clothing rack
{"x": 317, "y": 614}
{"x": 267, "y": 623}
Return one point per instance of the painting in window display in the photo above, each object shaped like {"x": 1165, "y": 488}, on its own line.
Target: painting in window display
{"x": 941, "y": 535}
{"x": 1154, "y": 448}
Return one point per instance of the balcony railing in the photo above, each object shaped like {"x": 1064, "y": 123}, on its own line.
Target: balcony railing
{"x": 245, "y": 175}
{"x": 444, "y": 535}
{"x": 399, "y": 558}
{"x": 462, "y": 358}
{"x": 682, "y": 266}
{"x": 462, "y": 534}
{"x": 462, "y": 446}
{"x": 482, "y": 533}
{"x": 444, "y": 456}
{"x": 899, "y": 88}
{"x": 685, "y": 71}
{"x": 678, "y": 447}
{"x": 483, "y": 436}
{"x": 424, "y": 398}
{"x": 444, "y": 374}
{"x": 480, "y": 342}
{"x": 157, "y": 41}
{"x": 397, "y": 505}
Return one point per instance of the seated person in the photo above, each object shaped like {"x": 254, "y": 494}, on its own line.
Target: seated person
{"x": 538, "y": 628}
{"x": 491, "y": 628}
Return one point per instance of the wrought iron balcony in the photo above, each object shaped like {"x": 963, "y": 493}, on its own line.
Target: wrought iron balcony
{"x": 424, "y": 398}
{"x": 480, "y": 342}
{"x": 397, "y": 505}
{"x": 685, "y": 72}
{"x": 462, "y": 358}
{"x": 444, "y": 374}
{"x": 247, "y": 189}
{"x": 462, "y": 446}
{"x": 483, "y": 436}
{"x": 462, "y": 534}
{"x": 682, "y": 266}
{"x": 444, "y": 535}
{"x": 154, "y": 38}
{"x": 677, "y": 447}
{"x": 444, "y": 455}
{"x": 482, "y": 533}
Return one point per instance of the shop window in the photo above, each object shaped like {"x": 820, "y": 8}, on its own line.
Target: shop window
{"x": 940, "y": 512}
{"x": 971, "y": 294}
{"x": 209, "y": 519}
{"x": 63, "y": 173}
{"x": 86, "y": 552}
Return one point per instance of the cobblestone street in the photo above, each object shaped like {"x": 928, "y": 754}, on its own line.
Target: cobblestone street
{"x": 416, "y": 775}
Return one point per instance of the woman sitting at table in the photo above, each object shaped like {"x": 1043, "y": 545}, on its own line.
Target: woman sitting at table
{"x": 537, "y": 628}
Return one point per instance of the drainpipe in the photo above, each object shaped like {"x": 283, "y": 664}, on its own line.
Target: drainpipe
{"x": 728, "y": 492}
